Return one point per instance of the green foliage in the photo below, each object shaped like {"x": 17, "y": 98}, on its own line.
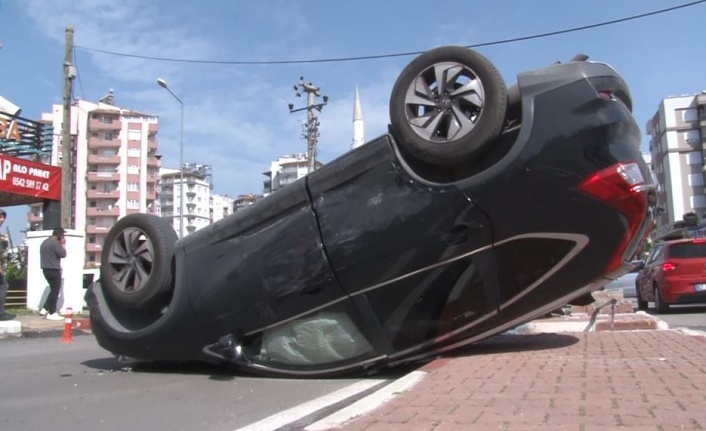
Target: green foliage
{"x": 15, "y": 267}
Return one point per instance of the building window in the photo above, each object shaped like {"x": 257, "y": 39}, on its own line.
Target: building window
{"x": 133, "y": 204}
{"x": 691, "y": 137}
{"x": 109, "y": 136}
{"x": 694, "y": 158}
{"x": 103, "y": 118}
{"x": 696, "y": 180}
{"x": 698, "y": 202}
{"x": 134, "y": 135}
{"x": 688, "y": 115}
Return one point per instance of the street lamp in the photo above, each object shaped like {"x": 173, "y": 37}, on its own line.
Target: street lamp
{"x": 162, "y": 83}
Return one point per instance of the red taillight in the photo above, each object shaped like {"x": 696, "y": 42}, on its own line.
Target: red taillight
{"x": 668, "y": 266}
{"x": 620, "y": 186}
{"x": 699, "y": 241}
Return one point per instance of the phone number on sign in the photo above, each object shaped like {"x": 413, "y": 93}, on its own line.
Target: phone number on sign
{"x": 30, "y": 184}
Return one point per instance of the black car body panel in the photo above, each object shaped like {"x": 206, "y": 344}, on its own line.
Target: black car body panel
{"x": 398, "y": 260}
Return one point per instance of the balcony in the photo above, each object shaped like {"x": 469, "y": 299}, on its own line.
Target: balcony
{"x": 95, "y": 159}
{"x": 97, "y": 229}
{"x": 95, "y": 194}
{"x": 153, "y": 161}
{"x": 34, "y": 218}
{"x": 103, "y": 176}
{"x": 101, "y": 143}
{"x": 96, "y": 125}
{"x": 103, "y": 212}
{"x": 152, "y": 143}
{"x": 191, "y": 228}
{"x": 190, "y": 194}
{"x": 93, "y": 247}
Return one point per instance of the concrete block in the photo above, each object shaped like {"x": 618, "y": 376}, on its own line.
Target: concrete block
{"x": 10, "y": 328}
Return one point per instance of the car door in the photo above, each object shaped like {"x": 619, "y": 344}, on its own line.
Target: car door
{"x": 645, "y": 279}
{"x": 259, "y": 267}
{"x": 416, "y": 256}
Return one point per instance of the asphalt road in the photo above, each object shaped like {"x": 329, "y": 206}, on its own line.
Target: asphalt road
{"x": 49, "y": 385}
{"x": 684, "y": 316}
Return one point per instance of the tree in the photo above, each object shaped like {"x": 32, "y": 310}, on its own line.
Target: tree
{"x": 15, "y": 268}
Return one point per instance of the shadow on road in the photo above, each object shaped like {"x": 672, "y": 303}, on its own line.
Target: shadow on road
{"x": 681, "y": 309}
{"x": 218, "y": 372}
{"x": 517, "y": 343}
{"x": 225, "y": 372}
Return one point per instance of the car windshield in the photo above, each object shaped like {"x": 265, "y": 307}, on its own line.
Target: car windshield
{"x": 687, "y": 250}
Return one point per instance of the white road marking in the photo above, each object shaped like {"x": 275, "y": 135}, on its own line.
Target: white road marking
{"x": 368, "y": 403}
{"x": 295, "y": 413}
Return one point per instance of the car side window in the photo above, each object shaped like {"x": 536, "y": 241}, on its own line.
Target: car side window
{"x": 656, "y": 254}
{"x": 324, "y": 338}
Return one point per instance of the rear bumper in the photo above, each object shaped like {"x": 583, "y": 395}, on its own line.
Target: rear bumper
{"x": 682, "y": 293}
{"x": 692, "y": 298}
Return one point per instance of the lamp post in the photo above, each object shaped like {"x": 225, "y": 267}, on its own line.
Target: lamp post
{"x": 162, "y": 83}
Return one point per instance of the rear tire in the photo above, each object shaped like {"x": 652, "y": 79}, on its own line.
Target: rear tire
{"x": 641, "y": 303}
{"x": 660, "y": 305}
{"x": 448, "y": 106}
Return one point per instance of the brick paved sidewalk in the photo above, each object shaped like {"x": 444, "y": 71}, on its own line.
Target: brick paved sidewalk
{"x": 638, "y": 380}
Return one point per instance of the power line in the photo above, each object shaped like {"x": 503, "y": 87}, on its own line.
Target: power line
{"x": 401, "y": 54}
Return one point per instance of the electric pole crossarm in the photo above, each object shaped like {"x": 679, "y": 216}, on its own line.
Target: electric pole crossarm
{"x": 312, "y": 122}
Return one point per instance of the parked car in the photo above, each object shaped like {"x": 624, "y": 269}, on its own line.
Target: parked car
{"x": 674, "y": 273}
{"x": 626, "y": 283}
{"x": 482, "y": 208}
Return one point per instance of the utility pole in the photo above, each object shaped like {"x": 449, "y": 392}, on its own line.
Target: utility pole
{"x": 69, "y": 72}
{"x": 312, "y": 122}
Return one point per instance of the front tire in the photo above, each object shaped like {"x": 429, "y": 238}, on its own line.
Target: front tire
{"x": 448, "y": 105}
{"x": 136, "y": 264}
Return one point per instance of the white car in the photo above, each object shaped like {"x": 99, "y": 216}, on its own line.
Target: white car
{"x": 626, "y": 283}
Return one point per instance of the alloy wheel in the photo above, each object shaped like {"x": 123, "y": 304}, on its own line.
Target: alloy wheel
{"x": 131, "y": 258}
{"x": 444, "y": 102}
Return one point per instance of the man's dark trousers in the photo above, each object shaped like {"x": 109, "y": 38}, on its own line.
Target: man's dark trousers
{"x": 53, "y": 277}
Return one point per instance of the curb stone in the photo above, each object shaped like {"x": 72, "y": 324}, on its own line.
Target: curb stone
{"x": 579, "y": 322}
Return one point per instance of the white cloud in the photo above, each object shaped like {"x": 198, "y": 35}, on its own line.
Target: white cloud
{"x": 236, "y": 117}
{"x": 128, "y": 26}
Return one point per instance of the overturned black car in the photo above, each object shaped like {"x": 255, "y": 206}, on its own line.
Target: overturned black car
{"x": 482, "y": 208}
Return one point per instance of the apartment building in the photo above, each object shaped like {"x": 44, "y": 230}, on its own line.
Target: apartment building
{"x": 286, "y": 170}
{"x": 244, "y": 201}
{"x": 115, "y": 167}
{"x": 678, "y": 147}
{"x": 197, "y": 197}
{"x": 221, "y": 206}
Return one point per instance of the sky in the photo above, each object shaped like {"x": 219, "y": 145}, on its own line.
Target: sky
{"x": 236, "y": 115}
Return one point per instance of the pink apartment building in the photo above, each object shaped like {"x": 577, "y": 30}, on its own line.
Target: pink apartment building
{"x": 115, "y": 165}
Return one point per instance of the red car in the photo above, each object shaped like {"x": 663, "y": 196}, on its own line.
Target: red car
{"x": 674, "y": 273}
